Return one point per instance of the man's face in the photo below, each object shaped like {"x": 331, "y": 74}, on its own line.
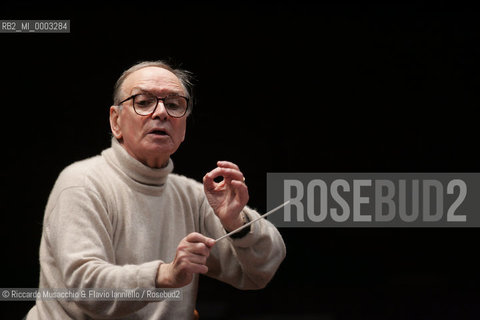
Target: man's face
{"x": 149, "y": 139}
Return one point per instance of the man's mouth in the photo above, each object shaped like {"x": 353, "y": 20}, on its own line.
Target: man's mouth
{"x": 158, "y": 132}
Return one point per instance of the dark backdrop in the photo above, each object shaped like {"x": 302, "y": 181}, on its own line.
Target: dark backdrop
{"x": 281, "y": 87}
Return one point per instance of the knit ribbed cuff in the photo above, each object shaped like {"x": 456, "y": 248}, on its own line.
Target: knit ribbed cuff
{"x": 147, "y": 274}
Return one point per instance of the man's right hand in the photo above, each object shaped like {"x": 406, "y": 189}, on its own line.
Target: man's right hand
{"x": 191, "y": 258}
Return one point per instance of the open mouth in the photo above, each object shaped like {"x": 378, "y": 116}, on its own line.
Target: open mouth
{"x": 159, "y": 132}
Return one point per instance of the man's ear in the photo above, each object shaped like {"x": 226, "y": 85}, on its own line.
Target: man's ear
{"x": 114, "y": 122}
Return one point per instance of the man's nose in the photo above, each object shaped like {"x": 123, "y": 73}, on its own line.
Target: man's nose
{"x": 160, "y": 111}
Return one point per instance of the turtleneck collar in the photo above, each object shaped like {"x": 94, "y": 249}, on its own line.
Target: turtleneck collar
{"x": 134, "y": 169}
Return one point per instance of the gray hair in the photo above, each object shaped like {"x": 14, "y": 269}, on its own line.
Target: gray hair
{"x": 184, "y": 76}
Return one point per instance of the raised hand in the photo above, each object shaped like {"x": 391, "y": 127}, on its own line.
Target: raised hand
{"x": 191, "y": 258}
{"x": 229, "y": 196}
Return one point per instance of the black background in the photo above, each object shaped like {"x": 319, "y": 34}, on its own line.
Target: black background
{"x": 280, "y": 87}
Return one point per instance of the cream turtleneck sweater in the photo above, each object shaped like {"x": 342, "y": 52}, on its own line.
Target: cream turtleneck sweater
{"x": 110, "y": 221}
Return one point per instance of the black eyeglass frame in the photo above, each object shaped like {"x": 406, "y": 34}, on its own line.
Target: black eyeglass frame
{"x": 156, "y": 105}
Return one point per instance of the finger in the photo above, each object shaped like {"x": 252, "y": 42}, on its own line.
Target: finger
{"x": 227, "y": 173}
{"x": 189, "y": 262}
{"x": 198, "y": 237}
{"x": 241, "y": 190}
{"x": 227, "y": 164}
{"x": 196, "y": 268}
{"x": 184, "y": 258}
{"x": 196, "y": 259}
{"x": 208, "y": 182}
{"x": 198, "y": 248}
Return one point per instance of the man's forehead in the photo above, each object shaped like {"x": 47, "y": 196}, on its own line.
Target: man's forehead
{"x": 151, "y": 77}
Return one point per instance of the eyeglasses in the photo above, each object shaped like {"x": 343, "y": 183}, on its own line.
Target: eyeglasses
{"x": 146, "y": 103}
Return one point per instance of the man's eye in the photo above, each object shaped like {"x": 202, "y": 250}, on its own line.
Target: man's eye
{"x": 172, "y": 106}
{"x": 144, "y": 101}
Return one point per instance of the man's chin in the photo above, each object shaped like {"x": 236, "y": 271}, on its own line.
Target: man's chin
{"x": 160, "y": 148}
{"x": 157, "y": 141}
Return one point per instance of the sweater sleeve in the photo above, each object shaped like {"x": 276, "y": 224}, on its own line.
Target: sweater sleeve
{"x": 246, "y": 263}
{"x": 79, "y": 234}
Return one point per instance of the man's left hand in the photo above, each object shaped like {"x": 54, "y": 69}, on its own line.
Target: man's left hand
{"x": 229, "y": 196}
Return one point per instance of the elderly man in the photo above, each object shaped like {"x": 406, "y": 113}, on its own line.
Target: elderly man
{"x": 122, "y": 219}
